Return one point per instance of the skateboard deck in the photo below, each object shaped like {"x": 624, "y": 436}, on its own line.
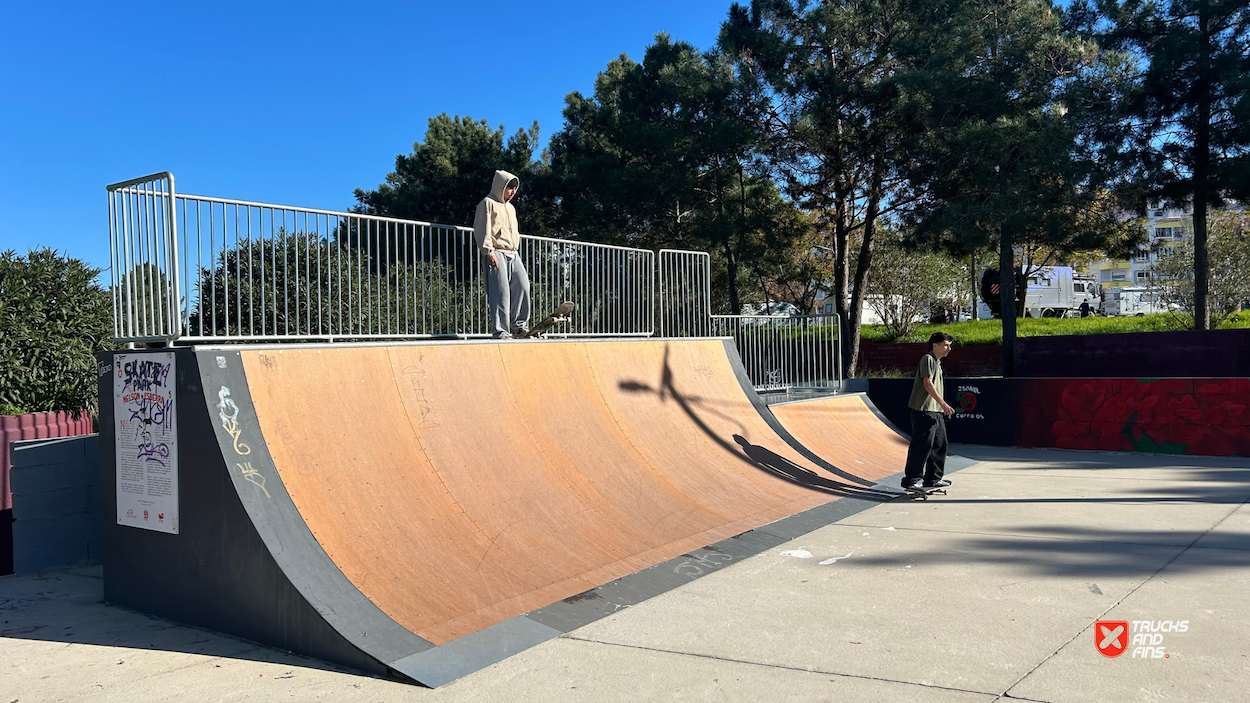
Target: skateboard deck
{"x": 560, "y": 314}
{"x": 924, "y": 493}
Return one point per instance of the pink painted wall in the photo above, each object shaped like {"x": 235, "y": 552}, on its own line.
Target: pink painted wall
{"x": 48, "y": 425}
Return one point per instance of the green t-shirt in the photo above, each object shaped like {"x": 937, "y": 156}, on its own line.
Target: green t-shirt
{"x": 930, "y": 367}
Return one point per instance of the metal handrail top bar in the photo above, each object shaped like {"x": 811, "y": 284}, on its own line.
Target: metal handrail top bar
{"x": 316, "y": 211}
{"x": 441, "y": 336}
{"x": 383, "y": 218}
{"x": 141, "y": 179}
{"x": 775, "y": 317}
{"x": 583, "y": 242}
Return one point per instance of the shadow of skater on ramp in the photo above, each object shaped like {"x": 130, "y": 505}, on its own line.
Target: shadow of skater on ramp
{"x": 691, "y": 404}
{"x": 787, "y": 470}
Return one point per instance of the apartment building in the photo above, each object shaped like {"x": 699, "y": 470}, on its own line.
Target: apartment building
{"x": 1166, "y": 227}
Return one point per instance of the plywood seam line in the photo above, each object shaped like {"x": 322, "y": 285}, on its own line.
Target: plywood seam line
{"x": 390, "y": 355}
{"x": 649, "y": 472}
{"x": 529, "y": 430}
{"x": 670, "y": 489}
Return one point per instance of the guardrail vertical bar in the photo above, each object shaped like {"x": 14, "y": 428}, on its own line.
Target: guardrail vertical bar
{"x": 431, "y": 286}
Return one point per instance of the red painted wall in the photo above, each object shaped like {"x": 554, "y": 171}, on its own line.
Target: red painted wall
{"x": 16, "y": 428}
{"x": 1207, "y": 416}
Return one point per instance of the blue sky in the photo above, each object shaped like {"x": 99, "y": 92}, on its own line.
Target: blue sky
{"x": 291, "y": 103}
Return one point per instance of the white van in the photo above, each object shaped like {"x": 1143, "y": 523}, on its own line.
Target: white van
{"x": 1132, "y": 301}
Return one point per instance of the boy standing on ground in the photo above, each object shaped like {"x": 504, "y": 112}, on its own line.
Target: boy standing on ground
{"x": 926, "y": 457}
{"x": 498, "y": 238}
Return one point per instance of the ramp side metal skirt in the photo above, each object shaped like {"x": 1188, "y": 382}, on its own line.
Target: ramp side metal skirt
{"x": 278, "y": 522}
{"x": 749, "y": 389}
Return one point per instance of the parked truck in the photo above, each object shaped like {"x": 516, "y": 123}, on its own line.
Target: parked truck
{"x": 1058, "y": 291}
{"x": 1054, "y": 291}
{"x": 1132, "y": 301}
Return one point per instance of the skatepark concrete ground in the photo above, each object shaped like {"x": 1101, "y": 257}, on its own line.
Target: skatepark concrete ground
{"x": 989, "y": 593}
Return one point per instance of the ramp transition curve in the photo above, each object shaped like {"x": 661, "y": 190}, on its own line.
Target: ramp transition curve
{"x": 848, "y": 431}
{"x": 428, "y": 509}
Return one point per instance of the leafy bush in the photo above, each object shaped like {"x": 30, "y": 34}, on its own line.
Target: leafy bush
{"x": 904, "y": 284}
{"x": 303, "y": 284}
{"x": 54, "y": 317}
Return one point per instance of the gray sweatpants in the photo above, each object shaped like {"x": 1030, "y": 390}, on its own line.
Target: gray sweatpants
{"x": 507, "y": 293}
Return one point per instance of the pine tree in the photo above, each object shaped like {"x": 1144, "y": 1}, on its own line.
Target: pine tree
{"x": 1187, "y": 116}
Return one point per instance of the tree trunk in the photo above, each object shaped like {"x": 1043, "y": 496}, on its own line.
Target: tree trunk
{"x": 842, "y": 266}
{"x": 1007, "y": 299}
{"x": 972, "y": 271}
{"x": 864, "y": 265}
{"x": 1202, "y": 263}
{"x": 1202, "y": 171}
{"x": 731, "y": 265}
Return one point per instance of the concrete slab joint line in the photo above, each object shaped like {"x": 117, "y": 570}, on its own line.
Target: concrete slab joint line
{"x": 1026, "y": 556}
{"x": 551, "y": 484}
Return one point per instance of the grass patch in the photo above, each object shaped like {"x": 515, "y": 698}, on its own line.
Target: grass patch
{"x": 980, "y": 332}
{"x": 886, "y": 372}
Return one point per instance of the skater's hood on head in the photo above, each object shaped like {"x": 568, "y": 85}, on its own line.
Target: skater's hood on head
{"x": 502, "y": 179}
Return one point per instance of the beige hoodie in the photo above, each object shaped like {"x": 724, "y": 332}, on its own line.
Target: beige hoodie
{"x": 494, "y": 223}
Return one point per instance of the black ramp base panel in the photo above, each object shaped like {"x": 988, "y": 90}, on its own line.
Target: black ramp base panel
{"x": 245, "y": 562}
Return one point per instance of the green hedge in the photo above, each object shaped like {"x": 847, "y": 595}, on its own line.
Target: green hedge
{"x": 54, "y": 317}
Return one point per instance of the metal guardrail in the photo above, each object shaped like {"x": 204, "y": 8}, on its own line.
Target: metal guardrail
{"x": 685, "y": 296}
{"x": 783, "y": 352}
{"x": 143, "y": 245}
{"x": 193, "y": 268}
{"x": 257, "y": 271}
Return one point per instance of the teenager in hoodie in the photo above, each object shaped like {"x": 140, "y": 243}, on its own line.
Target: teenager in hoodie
{"x": 498, "y": 238}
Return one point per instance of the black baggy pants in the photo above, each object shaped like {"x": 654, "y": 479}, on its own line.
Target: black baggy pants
{"x": 926, "y": 457}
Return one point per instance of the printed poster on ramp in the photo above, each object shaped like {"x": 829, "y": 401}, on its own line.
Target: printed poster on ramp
{"x": 147, "y": 449}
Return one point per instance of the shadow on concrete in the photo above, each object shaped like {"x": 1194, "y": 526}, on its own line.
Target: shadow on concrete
{"x": 1229, "y": 495}
{"x": 1084, "y": 553}
{"x": 1049, "y": 459}
{"x": 1199, "y": 479}
{"x": 66, "y": 605}
{"x": 1067, "y": 549}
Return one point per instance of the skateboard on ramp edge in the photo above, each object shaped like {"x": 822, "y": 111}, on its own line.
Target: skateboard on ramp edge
{"x": 559, "y": 315}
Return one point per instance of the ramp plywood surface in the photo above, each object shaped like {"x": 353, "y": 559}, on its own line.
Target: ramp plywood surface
{"x": 457, "y": 486}
{"x": 845, "y": 431}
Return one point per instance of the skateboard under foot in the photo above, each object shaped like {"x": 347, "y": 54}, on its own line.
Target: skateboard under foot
{"x": 924, "y": 493}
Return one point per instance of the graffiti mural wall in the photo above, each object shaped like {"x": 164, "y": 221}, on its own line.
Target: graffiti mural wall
{"x": 1166, "y": 415}
{"x": 1206, "y": 416}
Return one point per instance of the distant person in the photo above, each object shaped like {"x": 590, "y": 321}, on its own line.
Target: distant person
{"x": 1085, "y": 309}
{"x": 926, "y": 457}
{"x": 498, "y": 239}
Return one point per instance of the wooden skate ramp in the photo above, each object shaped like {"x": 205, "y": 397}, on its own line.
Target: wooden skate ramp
{"x": 846, "y": 431}
{"x": 457, "y": 486}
